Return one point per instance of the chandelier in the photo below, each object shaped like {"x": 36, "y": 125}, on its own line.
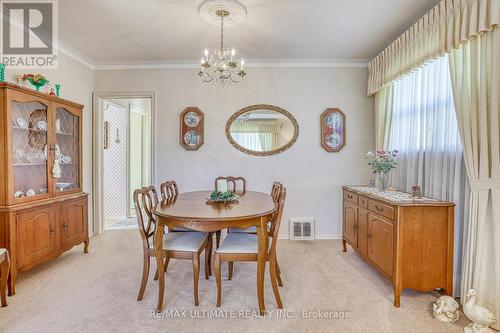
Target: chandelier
{"x": 220, "y": 66}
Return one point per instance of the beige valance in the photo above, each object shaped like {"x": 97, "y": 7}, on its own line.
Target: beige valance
{"x": 256, "y": 126}
{"x": 442, "y": 29}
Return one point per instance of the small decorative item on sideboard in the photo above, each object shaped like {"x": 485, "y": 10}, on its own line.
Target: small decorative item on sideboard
{"x": 416, "y": 192}
{"x": 382, "y": 162}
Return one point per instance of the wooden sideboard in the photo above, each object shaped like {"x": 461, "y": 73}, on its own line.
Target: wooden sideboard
{"x": 43, "y": 210}
{"x": 409, "y": 241}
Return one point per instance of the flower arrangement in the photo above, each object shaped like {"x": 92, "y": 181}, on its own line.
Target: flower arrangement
{"x": 215, "y": 195}
{"x": 37, "y": 80}
{"x": 382, "y": 162}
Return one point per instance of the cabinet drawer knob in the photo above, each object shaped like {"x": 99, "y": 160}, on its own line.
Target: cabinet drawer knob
{"x": 52, "y": 231}
{"x": 355, "y": 226}
{"x": 380, "y": 209}
{"x": 370, "y": 235}
{"x": 349, "y": 196}
{"x": 65, "y": 226}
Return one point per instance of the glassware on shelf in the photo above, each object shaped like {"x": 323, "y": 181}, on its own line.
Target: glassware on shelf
{"x": 67, "y": 139}
{"x": 29, "y": 138}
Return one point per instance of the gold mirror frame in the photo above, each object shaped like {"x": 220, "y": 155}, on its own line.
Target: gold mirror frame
{"x": 262, "y": 107}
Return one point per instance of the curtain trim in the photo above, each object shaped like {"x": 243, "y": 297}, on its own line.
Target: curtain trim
{"x": 485, "y": 184}
{"x": 445, "y": 27}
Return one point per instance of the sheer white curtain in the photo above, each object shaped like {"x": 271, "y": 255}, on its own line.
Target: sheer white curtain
{"x": 248, "y": 140}
{"x": 424, "y": 129}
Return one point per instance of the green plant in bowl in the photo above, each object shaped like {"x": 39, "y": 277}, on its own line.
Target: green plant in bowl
{"x": 215, "y": 195}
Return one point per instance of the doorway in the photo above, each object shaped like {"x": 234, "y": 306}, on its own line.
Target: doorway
{"x": 123, "y": 157}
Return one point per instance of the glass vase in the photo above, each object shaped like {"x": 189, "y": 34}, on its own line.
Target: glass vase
{"x": 382, "y": 181}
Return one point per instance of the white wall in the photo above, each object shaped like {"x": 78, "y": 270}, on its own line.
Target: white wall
{"x": 77, "y": 83}
{"x": 313, "y": 177}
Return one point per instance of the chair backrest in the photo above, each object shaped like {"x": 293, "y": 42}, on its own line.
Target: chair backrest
{"x": 146, "y": 199}
{"x": 276, "y": 190}
{"x": 276, "y": 221}
{"x": 169, "y": 190}
{"x": 232, "y": 184}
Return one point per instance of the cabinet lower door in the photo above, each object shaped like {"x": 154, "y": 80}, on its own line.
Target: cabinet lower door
{"x": 35, "y": 236}
{"x": 363, "y": 231}
{"x": 73, "y": 223}
{"x": 381, "y": 243}
{"x": 350, "y": 224}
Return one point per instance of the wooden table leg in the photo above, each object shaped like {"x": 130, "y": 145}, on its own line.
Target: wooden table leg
{"x": 158, "y": 245}
{"x": 261, "y": 263}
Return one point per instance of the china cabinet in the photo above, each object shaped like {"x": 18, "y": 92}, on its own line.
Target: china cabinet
{"x": 43, "y": 210}
{"x": 409, "y": 240}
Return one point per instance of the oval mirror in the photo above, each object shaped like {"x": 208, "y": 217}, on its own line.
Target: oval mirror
{"x": 262, "y": 130}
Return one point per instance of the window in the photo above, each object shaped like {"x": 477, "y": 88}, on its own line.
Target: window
{"x": 424, "y": 130}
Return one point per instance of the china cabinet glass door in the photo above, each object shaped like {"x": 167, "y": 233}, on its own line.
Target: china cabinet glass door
{"x": 67, "y": 150}
{"x": 29, "y": 137}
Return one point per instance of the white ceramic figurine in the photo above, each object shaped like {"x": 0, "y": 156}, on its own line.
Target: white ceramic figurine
{"x": 481, "y": 317}
{"x": 446, "y": 309}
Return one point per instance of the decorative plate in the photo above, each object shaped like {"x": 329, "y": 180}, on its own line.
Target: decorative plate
{"x": 42, "y": 125}
{"x": 333, "y": 140}
{"x": 332, "y": 130}
{"x": 191, "y": 128}
{"x": 30, "y": 192}
{"x": 21, "y": 123}
{"x": 191, "y": 138}
{"x": 191, "y": 119}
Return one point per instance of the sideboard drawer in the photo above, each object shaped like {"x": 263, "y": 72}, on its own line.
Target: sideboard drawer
{"x": 381, "y": 208}
{"x": 363, "y": 201}
{"x": 351, "y": 197}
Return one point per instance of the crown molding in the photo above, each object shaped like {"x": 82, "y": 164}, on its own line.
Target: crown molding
{"x": 251, "y": 63}
{"x": 75, "y": 55}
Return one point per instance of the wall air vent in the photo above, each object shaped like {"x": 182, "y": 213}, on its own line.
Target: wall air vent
{"x": 302, "y": 228}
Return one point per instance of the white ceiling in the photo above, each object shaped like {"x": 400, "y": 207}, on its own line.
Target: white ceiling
{"x": 163, "y": 31}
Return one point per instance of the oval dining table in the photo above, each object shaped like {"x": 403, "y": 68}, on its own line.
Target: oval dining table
{"x": 191, "y": 210}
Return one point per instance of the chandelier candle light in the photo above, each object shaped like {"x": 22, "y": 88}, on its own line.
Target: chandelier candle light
{"x": 219, "y": 66}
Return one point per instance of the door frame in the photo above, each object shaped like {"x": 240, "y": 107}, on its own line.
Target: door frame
{"x": 98, "y": 149}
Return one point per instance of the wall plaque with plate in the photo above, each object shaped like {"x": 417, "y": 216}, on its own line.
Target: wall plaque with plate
{"x": 192, "y": 128}
{"x": 333, "y": 130}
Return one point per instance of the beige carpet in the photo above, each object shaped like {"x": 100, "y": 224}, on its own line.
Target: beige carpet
{"x": 97, "y": 293}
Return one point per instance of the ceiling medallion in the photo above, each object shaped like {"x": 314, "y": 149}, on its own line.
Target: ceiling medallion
{"x": 219, "y": 66}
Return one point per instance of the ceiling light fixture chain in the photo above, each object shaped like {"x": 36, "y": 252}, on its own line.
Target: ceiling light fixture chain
{"x": 219, "y": 66}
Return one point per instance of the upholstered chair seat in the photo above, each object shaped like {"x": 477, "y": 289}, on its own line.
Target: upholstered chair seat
{"x": 249, "y": 230}
{"x": 184, "y": 241}
{"x": 240, "y": 242}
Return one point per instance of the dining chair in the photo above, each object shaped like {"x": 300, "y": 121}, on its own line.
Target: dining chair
{"x": 176, "y": 245}
{"x": 244, "y": 247}
{"x": 169, "y": 192}
{"x": 233, "y": 182}
{"x": 275, "y": 192}
{"x": 4, "y": 274}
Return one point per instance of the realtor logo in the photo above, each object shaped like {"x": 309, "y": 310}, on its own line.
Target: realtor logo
{"x": 29, "y": 31}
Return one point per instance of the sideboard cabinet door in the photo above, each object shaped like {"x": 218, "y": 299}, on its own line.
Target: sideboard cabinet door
{"x": 350, "y": 224}
{"x": 73, "y": 223}
{"x": 35, "y": 236}
{"x": 381, "y": 243}
{"x": 362, "y": 231}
